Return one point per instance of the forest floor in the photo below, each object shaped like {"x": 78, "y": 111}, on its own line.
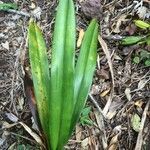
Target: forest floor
{"x": 117, "y": 114}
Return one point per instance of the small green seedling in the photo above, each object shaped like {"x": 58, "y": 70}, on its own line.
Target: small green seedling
{"x": 84, "y": 118}
{"x": 144, "y": 56}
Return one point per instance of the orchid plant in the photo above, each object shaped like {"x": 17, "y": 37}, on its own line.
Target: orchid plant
{"x": 61, "y": 90}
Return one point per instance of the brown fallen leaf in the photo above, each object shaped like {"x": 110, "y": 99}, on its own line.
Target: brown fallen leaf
{"x": 20, "y": 103}
{"x": 128, "y": 93}
{"x": 92, "y": 142}
{"x": 85, "y": 143}
{"x": 33, "y": 134}
{"x": 111, "y": 114}
{"x": 95, "y": 89}
{"x": 78, "y": 133}
{"x": 142, "y": 83}
{"x": 32, "y": 5}
{"x": 104, "y": 93}
{"x": 115, "y": 105}
{"x": 101, "y": 125}
{"x": 114, "y": 143}
{"x": 5, "y": 45}
{"x": 139, "y": 103}
{"x": 81, "y": 35}
{"x": 117, "y": 57}
{"x": 148, "y": 1}
{"x": 6, "y": 125}
{"x": 103, "y": 74}
{"x": 116, "y": 25}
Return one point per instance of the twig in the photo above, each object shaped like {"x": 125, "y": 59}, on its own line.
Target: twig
{"x": 140, "y": 135}
{"x": 126, "y": 8}
{"x": 18, "y": 12}
{"x": 108, "y": 56}
{"x": 115, "y": 37}
{"x": 96, "y": 104}
{"x": 100, "y": 121}
{"x": 33, "y": 134}
{"x": 26, "y": 138}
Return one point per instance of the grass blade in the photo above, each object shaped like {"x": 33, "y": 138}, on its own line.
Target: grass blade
{"x": 40, "y": 72}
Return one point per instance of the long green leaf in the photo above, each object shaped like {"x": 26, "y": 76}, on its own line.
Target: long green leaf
{"x": 40, "y": 72}
{"x": 68, "y": 76}
{"x": 142, "y": 24}
{"x": 84, "y": 69}
{"x": 7, "y": 6}
{"x": 129, "y": 40}
{"x": 62, "y": 75}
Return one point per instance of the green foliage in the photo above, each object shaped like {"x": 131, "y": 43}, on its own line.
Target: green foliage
{"x": 40, "y": 73}
{"x": 144, "y": 56}
{"x": 61, "y": 92}
{"x": 131, "y": 40}
{"x": 6, "y": 6}
{"x": 136, "y": 60}
{"x": 136, "y": 122}
{"x": 147, "y": 40}
{"x": 84, "y": 119}
{"x": 147, "y": 62}
{"x": 142, "y": 24}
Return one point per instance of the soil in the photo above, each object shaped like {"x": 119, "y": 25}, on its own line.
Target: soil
{"x": 120, "y": 94}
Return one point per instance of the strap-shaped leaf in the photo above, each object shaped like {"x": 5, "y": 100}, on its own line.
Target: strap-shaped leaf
{"x": 68, "y": 76}
{"x": 40, "y": 72}
{"x": 62, "y": 75}
{"x": 84, "y": 69}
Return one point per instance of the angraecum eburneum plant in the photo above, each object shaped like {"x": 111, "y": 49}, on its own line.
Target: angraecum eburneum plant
{"x": 62, "y": 90}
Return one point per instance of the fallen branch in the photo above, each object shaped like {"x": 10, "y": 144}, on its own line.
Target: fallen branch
{"x": 96, "y": 104}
